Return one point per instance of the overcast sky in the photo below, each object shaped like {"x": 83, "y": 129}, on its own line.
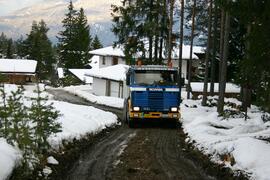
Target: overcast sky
{"x": 7, "y": 6}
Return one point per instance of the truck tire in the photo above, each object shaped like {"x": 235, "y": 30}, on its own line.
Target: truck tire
{"x": 131, "y": 123}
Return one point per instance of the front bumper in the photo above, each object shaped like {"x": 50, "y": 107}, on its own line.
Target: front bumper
{"x": 155, "y": 115}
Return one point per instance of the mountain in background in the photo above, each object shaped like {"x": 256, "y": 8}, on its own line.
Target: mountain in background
{"x": 53, "y": 11}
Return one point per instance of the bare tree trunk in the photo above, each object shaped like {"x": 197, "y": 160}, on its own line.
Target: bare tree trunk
{"x": 221, "y": 42}
{"x": 207, "y": 56}
{"x": 163, "y": 22}
{"x": 246, "y": 101}
{"x": 213, "y": 59}
{"x": 191, "y": 50}
{"x": 150, "y": 34}
{"x": 223, "y": 77}
{"x": 150, "y": 48}
{"x": 181, "y": 46}
{"x": 170, "y": 33}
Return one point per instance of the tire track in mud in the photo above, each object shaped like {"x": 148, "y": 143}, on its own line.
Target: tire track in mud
{"x": 98, "y": 161}
{"x": 156, "y": 153}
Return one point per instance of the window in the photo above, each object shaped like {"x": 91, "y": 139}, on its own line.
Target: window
{"x": 103, "y": 60}
{"x": 115, "y": 61}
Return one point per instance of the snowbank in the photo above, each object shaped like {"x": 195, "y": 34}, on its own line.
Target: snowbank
{"x": 85, "y": 91}
{"x": 243, "y": 140}
{"x": 9, "y": 157}
{"x": 230, "y": 87}
{"x": 78, "y": 120}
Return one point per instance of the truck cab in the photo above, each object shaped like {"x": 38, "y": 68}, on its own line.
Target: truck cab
{"x": 153, "y": 94}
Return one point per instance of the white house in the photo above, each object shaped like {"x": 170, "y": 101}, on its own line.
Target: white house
{"x": 109, "y": 56}
{"x": 110, "y": 81}
{"x": 18, "y": 71}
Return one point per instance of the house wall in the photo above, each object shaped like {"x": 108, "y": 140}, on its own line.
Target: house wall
{"x": 105, "y": 61}
{"x": 99, "y": 86}
{"x": 103, "y": 87}
{"x": 18, "y": 79}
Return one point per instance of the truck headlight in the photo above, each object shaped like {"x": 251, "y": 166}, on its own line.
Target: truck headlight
{"x": 174, "y": 109}
{"x": 136, "y": 108}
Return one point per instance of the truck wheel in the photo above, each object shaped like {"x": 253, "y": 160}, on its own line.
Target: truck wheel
{"x": 131, "y": 123}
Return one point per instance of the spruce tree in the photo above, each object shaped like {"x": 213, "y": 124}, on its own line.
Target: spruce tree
{"x": 4, "y": 124}
{"x": 75, "y": 39}
{"x": 43, "y": 116}
{"x": 38, "y": 47}
{"x": 96, "y": 44}
{"x": 9, "y": 53}
{"x": 82, "y": 40}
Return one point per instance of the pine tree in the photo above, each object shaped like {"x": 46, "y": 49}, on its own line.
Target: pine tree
{"x": 44, "y": 118}
{"x": 17, "y": 115}
{"x": 96, "y": 44}
{"x": 9, "y": 49}
{"x": 83, "y": 40}
{"x": 139, "y": 27}
{"x": 39, "y": 47}
{"x": 75, "y": 39}
{"x": 4, "y": 124}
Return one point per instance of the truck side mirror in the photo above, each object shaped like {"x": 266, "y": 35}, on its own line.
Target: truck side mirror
{"x": 128, "y": 79}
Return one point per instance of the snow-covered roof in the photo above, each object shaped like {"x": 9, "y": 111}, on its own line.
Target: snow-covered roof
{"x": 118, "y": 51}
{"x": 18, "y": 66}
{"x": 94, "y": 62}
{"x": 81, "y": 74}
{"x": 230, "y": 87}
{"x": 60, "y": 72}
{"x": 108, "y": 51}
{"x": 116, "y": 72}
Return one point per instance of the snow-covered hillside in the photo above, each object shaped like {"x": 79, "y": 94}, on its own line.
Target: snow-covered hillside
{"x": 98, "y": 13}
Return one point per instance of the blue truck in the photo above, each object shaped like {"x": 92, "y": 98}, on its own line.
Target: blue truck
{"x": 153, "y": 94}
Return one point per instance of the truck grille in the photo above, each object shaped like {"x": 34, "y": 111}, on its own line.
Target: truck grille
{"x": 156, "y": 100}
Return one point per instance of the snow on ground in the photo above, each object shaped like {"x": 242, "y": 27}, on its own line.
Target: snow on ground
{"x": 9, "y": 157}
{"x": 85, "y": 91}
{"x": 76, "y": 120}
{"x": 242, "y": 139}
{"x": 230, "y": 87}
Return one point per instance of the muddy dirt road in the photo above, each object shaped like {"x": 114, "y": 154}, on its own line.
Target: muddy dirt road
{"x": 149, "y": 152}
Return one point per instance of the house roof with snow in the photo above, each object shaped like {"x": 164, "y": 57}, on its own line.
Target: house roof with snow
{"x": 18, "y": 66}
{"x": 109, "y": 51}
{"x": 116, "y": 72}
{"x": 81, "y": 74}
{"x": 118, "y": 51}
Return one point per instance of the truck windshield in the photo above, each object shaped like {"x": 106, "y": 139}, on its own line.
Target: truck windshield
{"x": 155, "y": 77}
